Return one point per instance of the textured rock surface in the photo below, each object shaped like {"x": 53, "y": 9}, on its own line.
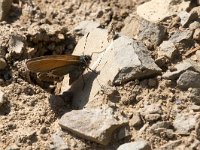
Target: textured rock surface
{"x": 137, "y": 145}
{"x": 95, "y": 124}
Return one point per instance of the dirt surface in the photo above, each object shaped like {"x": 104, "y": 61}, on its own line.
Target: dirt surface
{"x": 29, "y": 116}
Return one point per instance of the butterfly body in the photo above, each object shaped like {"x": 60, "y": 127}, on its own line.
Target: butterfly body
{"x": 60, "y": 65}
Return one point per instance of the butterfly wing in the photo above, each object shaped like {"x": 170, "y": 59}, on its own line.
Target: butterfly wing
{"x": 53, "y": 62}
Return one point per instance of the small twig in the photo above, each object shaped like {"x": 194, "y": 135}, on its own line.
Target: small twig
{"x": 191, "y": 51}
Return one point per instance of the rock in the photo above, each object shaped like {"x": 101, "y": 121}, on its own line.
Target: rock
{"x": 136, "y": 120}
{"x": 85, "y": 27}
{"x": 131, "y": 26}
{"x": 151, "y": 109}
{"x": 2, "y": 98}
{"x": 170, "y": 145}
{"x": 161, "y": 124}
{"x": 95, "y": 124}
{"x": 137, "y": 145}
{"x": 196, "y": 35}
{"x": 151, "y": 112}
{"x": 16, "y": 45}
{"x": 194, "y": 25}
{"x": 118, "y": 62}
{"x": 12, "y": 147}
{"x": 143, "y": 30}
{"x": 5, "y": 6}
{"x": 123, "y": 133}
{"x": 168, "y": 49}
{"x": 180, "y": 68}
{"x": 194, "y": 95}
{"x": 186, "y": 18}
{"x": 195, "y": 108}
{"x": 156, "y": 10}
{"x": 184, "y": 123}
{"x": 59, "y": 144}
{"x": 151, "y": 32}
{"x": 152, "y": 117}
{"x": 189, "y": 79}
{"x": 3, "y": 63}
{"x": 197, "y": 130}
{"x": 181, "y": 36}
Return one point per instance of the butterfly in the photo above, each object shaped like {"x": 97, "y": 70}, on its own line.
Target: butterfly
{"x": 60, "y": 65}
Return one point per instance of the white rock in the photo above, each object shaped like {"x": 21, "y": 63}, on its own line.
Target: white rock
{"x": 2, "y": 98}
{"x": 137, "y": 145}
{"x": 157, "y": 10}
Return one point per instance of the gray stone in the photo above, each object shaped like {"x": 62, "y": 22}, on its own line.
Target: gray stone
{"x": 196, "y": 35}
{"x": 123, "y": 133}
{"x": 180, "y": 68}
{"x": 131, "y": 26}
{"x": 180, "y": 36}
{"x": 168, "y": 49}
{"x": 118, "y": 62}
{"x": 151, "y": 109}
{"x": 170, "y": 145}
{"x": 85, "y": 27}
{"x": 12, "y": 147}
{"x": 136, "y": 120}
{"x": 189, "y": 79}
{"x": 3, "y": 63}
{"x": 16, "y": 44}
{"x": 134, "y": 63}
{"x": 151, "y": 112}
{"x": 95, "y": 124}
{"x": 195, "y": 108}
{"x": 137, "y": 145}
{"x": 152, "y": 117}
{"x": 194, "y": 25}
{"x": 5, "y": 6}
{"x": 2, "y": 98}
{"x": 194, "y": 95}
{"x": 150, "y": 33}
{"x": 185, "y": 123}
{"x": 186, "y": 18}
{"x": 162, "y": 124}
{"x": 157, "y": 10}
{"x": 58, "y": 142}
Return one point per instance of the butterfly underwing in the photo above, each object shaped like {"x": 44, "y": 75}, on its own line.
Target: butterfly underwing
{"x": 60, "y": 65}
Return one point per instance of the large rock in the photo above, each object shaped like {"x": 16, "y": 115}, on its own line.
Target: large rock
{"x": 150, "y": 33}
{"x": 117, "y": 62}
{"x": 95, "y": 124}
{"x": 157, "y": 10}
{"x": 5, "y": 6}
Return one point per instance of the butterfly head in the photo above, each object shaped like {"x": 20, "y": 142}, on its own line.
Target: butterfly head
{"x": 85, "y": 60}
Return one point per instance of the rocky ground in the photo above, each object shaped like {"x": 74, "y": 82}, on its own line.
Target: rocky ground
{"x": 146, "y": 94}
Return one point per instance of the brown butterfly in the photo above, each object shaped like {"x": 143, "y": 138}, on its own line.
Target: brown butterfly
{"x": 60, "y": 65}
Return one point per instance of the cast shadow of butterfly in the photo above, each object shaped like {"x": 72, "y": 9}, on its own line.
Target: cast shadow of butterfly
{"x": 59, "y": 65}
